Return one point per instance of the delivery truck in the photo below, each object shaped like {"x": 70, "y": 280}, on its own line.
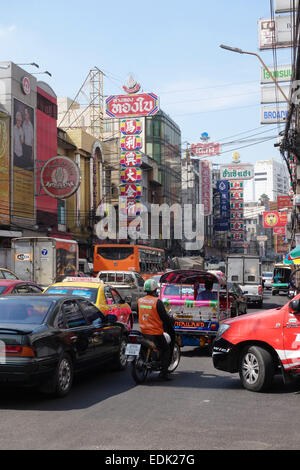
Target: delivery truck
{"x": 245, "y": 270}
{"x": 44, "y": 260}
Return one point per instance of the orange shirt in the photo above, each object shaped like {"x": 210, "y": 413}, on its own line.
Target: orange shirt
{"x": 149, "y": 319}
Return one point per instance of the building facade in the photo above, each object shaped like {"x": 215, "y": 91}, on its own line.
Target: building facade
{"x": 271, "y": 177}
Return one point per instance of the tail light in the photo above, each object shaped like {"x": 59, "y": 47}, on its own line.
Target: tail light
{"x": 19, "y": 351}
{"x": 259, "y": 289}
{"x": 132, "y": 339}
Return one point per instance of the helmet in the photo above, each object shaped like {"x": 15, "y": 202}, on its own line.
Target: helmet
{"x": 150, "y": 285}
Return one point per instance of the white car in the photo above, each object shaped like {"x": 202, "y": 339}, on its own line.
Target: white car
{"x": 267, "y": 279}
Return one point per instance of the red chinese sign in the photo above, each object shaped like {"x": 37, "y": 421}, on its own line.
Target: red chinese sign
{"x": 131, "y": 159}
{"x": 131, "y": 191}
{"x": 131, "y": 142}
{"x": 279, "y": 231}
{"x": 131, "y": 175}
{"x": 284, "y": 202}
{"x": 123, "y": 106}
{"x": 131, "y": 126}
{"x": 206, "y": 187}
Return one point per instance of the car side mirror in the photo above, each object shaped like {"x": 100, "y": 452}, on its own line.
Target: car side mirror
{"x": 110, "y": 318}
{"x": 295, "y": 306}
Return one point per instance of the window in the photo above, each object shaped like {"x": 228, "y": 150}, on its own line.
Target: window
{"x": 59, "y": 321}
{"x": 115, "y": 252}
{"x": 90, "y": 311}
{"x": 117, "y": 298}
{"x": 73, "y": 314}
{"x": 22, "y": 289}
{"x": 46, "y": 106}
{"x": 108, "y": 296}
{"x": 140, "y": 280}
{"x": 8, "y": 275}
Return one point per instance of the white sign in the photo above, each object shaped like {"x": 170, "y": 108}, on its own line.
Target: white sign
{"x": 242, "y": 171}
{"x": 271, "y": 94}
{"x": 276, "y": 32}
{"x": 284, "y": 6}
{"x": 282, "y": 73}
{"x": 262, "y": 238}
{"x": 273, "y": 114}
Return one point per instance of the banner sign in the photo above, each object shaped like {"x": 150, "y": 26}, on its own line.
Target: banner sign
{"x": 275, "y": 32}
{"x": 206, "y": 186}
{"x": 279, "y": 231}
{"x": 131, "y": 175}
{"x": 284, "y": 202}
{"x": 131, "y": 126}
{"x": 223, "y": 189}
{"x": 282, "y": 73}
{"x": 271, "y": 94}
{"x": 131, "y": 159}
{"x": 273, "y": 114}
{"x": 285, "y": 6}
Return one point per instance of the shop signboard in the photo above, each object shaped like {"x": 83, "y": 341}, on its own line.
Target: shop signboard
{"x": 201, "y": 149}
{"x": 237, "y": 172}
{"x": 285, "y": 6}
{"x": 131, "y": 126}
{"x": 131, "y": 142}
{"x": 275, "y": 32}
{"x": 131, "y": 191}
{"x": 206, "y": 186}
{"x": 4, "y": 171}
{"x": 281, "y": 73}
{"x": 279, "y": 231}
{"x": 284, "y": 202}
{"x": 131, "y": 175}
{"x": 273, "y": 219}
{"x": 271, "y": 94}
{"x": 60, "y": 177}
{"x": 131, "y": 159}
{"x": 138, "y": 105}
{"x": 273, "y": 114}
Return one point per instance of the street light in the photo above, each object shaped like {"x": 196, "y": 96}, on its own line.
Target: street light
{"x": 240, "y": 51}
{"x": 41, "y": 73}
{"x": 33, "y": 64}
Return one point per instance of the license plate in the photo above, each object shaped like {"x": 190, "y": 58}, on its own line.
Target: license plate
{"x": 132, "y": 349}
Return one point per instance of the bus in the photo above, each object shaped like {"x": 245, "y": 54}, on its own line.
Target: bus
{"x": 141, "y": 259}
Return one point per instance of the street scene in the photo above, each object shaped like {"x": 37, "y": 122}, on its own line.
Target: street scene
{"x": 150, "y": 229}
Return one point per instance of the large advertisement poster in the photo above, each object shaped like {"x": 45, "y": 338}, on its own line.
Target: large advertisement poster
{"x": 23, "y": 160}
{"x": 4, "y": 171}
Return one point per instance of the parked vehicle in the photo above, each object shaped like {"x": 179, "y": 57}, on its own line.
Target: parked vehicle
{"x": 245, "y": 270}
{"x": 130, "y": 284}
{"x": 44, "y": 260}
{"x": 196, "y": 321}
{"x": 281, "y": 278}
{"x": 45, "y": 339}
{"x": 260, "y": 345}
{"x": 7, "y": 274}
{"x": 19, "y": 287}
{"x": 145, "y": 356}
{"x": 106, "y": 298}
{"x": 267, "y": 279}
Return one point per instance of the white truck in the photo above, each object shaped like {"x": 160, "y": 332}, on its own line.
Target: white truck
{"x": 245, "y": 270}
{"x": 44, "y": 260}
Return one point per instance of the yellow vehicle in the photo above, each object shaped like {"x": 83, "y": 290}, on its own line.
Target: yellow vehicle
{"x": 106, "y": 298}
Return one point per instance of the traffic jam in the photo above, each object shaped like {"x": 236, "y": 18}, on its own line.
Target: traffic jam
{"x": 66, "y": 321}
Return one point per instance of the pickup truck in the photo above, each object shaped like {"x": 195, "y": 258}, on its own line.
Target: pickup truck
{"x": 129, "y": 284}
{"x": 245, "y": 270}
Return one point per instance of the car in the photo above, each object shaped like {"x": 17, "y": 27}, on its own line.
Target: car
{"x": 260, "y": 345}
{"x": 176, "y": 291}
{"x": 46, "y": 339}
{"x": 267, "y": 279}
{"x": 130, "y": 284}
{"x": 7, "y": 274}
{"x": 105, "y": 297}
{"x": 15, "y": 286}
{"x": 238, "y": 304}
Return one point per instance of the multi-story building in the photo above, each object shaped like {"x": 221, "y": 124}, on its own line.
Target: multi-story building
{"x": 271, "y": 177}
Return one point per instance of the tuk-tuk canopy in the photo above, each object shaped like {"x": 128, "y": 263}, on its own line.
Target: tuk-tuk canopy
{"x": 188, "y": 276}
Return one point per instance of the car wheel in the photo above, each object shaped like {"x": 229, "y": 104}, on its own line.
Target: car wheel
{"x": 256, "y": 368}
{"x": 120, "y": 360}
{"x": 61, "y": 383}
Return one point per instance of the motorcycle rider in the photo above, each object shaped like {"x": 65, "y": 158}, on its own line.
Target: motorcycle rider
{"x": 153, "y": 321}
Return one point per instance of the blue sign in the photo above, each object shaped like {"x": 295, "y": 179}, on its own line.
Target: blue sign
{"x": 44, "y": 252}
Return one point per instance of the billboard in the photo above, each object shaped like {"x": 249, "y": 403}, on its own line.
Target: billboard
{"x": 281, "y": 73}
{"x": 284, "y": 6}
{"x": 4, "y": 171}
{"x": 206, "y": 187}
{"x": 271, "y": 94}
{"x": 275, "y": 32}
{"x": 123, "y": 106}
{"x": 274, "y": 219}
{"x": 237, "y": 171}
{"x": 23, "y": 160}
{"x": 273, "y": 114}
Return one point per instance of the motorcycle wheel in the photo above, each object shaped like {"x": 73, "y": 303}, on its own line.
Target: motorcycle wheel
{"x": 175, "y": 358}
{"x": 139, "y": 369}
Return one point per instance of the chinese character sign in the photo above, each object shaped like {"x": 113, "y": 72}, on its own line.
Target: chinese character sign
{"x": 206, "y": 186}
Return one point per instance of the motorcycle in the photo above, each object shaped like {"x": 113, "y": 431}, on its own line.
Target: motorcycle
{"x": 145, "y": 357}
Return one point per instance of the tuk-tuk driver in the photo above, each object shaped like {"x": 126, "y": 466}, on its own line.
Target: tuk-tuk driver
{"x": 207, "y": 293}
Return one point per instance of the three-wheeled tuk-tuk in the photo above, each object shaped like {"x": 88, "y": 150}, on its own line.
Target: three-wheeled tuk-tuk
{"x": 197, "y": 312}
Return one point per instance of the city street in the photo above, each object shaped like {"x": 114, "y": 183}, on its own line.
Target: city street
{"x": 202, "y": 408}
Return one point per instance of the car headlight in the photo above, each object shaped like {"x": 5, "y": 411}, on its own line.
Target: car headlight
{"x": 222, "y": 328}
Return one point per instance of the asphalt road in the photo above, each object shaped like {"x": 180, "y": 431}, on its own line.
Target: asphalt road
{"x": 201, "y": 408}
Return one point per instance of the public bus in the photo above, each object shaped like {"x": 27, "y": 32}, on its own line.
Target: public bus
{"x": 142, "y": 259}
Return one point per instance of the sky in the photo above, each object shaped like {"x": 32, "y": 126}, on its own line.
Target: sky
{"x": 170, "y": 47}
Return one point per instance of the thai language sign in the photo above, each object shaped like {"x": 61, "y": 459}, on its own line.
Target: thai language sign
{"x": 205, "y": 150}
{"x": 237, "y": 172}
{"x": 282, "y": 73}
{"x": 123, "y": 106}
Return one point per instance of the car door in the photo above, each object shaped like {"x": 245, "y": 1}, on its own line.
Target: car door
{"x": 96, "y": 320}
{"x": 79, "y": 332}
{"x": 291, "y": 339}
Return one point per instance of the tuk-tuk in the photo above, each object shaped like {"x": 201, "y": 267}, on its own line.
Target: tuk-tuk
{"x": 196, "y": 319}
{"x": 281, "y": 278}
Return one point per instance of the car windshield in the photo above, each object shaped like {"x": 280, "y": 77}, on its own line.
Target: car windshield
{"x": 86, "y": 292}
{"x": 184, "y": 291}
{"x": 20, "y": 310}
{"x": 268, "y": 275}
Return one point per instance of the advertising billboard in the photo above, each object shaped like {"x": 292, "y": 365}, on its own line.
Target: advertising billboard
{"x": 271, "y": 94}
{"x": 273, "y": 114}
{"x": 4, "y": 171}
{"x": 123, "y": 106}
{"x": 23, "y": 160}
{"x": 281, "y": 73}
{"x": 275, "y": 32}
{"x": 284, "y": 6}
{"x": 274, "y": 219}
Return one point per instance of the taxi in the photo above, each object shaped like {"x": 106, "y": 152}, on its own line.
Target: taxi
{"x": 106, "y": 298}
